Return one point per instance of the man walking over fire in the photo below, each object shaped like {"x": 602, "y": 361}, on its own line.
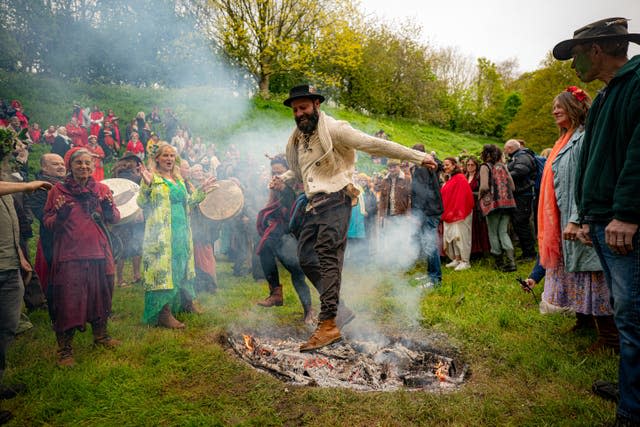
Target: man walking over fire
{"x": 321, "y": 153}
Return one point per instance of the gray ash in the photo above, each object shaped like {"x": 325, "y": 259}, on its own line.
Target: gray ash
{"x": 393, "y": 364}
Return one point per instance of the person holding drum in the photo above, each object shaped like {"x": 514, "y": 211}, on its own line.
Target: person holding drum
{"x": 167, "y": 256}
{"x": 130, "y": 233}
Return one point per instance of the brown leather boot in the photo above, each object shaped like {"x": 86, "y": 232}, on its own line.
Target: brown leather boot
{"x": 608, "y": 337}
{"x": 65, "y": 351}
{"x": 274, "y": 298}
{"x": 326, "y": 333}
{"x": 166, "y": 319}
{"x": 100, "y": 336}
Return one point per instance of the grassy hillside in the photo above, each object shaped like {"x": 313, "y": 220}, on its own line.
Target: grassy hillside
{"x": 212, "y": 113}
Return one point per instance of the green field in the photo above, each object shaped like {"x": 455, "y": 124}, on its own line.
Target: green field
{"x": 525, "y": 369}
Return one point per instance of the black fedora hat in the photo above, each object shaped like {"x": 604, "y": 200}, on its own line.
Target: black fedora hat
{"x": 303, "y": 91}
{"x": 131, "y": 156}
{"x": 610, "y": 28}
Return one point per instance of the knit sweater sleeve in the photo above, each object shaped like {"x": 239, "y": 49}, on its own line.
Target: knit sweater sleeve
{"x": 343, "y": 133}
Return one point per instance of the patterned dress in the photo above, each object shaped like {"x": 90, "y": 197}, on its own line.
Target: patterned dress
{"x": 167, "y": 260}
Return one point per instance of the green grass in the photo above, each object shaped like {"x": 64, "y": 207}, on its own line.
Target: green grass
{"x": 525, "y": 368}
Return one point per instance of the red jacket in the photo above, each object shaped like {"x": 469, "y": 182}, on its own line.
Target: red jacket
{"x": 457, "y": 199}
{"x": 76, "y": 235}
{"x": 77, "y": 134}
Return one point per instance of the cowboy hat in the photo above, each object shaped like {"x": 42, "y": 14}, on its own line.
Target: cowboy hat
{"x": 610, "y": 28}
{"x": 302, "y": 91}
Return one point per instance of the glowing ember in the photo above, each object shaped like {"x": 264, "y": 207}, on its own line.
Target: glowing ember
{"x": 249, "y": 342}
{"x": 360, "y": 365}
{"x": 441, "y": 371}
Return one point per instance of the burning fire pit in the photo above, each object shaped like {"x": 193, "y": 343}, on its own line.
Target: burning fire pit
{"x": 360, "y": 365}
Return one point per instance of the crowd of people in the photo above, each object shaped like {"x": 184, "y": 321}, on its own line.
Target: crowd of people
{"x": 303, "y": 209}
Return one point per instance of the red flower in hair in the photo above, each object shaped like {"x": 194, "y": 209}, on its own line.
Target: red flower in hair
{"x": 577, "y": 92}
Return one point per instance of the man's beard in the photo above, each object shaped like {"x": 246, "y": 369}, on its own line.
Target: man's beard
{"x": 307, "y": 123}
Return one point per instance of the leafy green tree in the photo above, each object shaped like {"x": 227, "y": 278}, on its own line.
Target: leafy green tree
{"x": 395, "y": 77}
{"x": 139, "y": 42}
{"x": 533, "y": 121}
{"x": 269, "y": 37}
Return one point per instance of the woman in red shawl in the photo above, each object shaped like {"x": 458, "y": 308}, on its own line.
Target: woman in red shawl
{"x": 97, "y": 120}
{"x": 98, "y": 158}
{"x": 457, "y": 200}
{"x": 77, "y": 133}
{"x": 82, "y": 268}
{"x": 24, "y": 120}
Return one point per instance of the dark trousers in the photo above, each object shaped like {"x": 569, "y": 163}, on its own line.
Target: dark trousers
{"x": 11, "y": 293}
{"x": 321, "y": 246}
{"x": 284, "y": 249}
{"x": 521, "y": 221}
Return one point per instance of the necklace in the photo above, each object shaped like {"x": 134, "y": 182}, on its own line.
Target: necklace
{"x": 305, "y": 143}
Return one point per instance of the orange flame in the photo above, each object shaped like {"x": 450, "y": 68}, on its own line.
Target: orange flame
{"x": 441, "y": 371}
{"x": 249, "y": 342}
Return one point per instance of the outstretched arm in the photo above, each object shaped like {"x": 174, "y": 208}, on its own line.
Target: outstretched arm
{"x": 17, "y": 187}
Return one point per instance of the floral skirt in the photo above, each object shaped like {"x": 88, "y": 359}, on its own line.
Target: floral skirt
{"x": 584, "y": 292}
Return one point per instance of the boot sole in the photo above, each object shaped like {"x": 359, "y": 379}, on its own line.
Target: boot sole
{"x": 307, "y": 349}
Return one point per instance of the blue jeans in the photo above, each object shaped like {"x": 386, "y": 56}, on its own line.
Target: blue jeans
{"x": 285, "y": 249}
{"x": 622, "y": 273}
{"x": 11, "y": 293}
{"x": 428, "y": 239}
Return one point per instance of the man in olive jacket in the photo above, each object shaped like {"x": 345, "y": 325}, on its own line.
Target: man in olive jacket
{"x": 608, "y": 183}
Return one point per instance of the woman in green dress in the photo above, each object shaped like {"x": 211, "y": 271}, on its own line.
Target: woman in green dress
{"x": 167, "y": 259}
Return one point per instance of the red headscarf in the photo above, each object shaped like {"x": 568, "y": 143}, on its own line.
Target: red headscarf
{"x": 69, "y": 154}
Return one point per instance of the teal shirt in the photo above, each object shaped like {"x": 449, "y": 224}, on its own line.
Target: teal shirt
{"x": 608, "y": 174}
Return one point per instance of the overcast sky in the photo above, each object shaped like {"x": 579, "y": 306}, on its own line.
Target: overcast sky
{"x": 504, "y": 29}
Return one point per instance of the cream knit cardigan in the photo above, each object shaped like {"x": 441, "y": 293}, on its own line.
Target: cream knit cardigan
{"x": 339, "y": 142}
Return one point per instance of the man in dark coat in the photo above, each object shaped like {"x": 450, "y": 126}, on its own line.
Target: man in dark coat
{"x": 426, "y": 206}
{"x": 607, "y": 181}
{"x": 62, "y": 143}
{"x": 522, "y": 167}
{"x": 52, "y": 170}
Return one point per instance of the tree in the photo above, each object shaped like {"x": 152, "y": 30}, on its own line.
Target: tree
{"x": 268, "y": 37}
{"x": 533, "y": 121}
{"x": 395, "y": 77}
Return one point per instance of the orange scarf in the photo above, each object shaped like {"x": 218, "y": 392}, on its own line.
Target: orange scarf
{"x": 549, "y": 227}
